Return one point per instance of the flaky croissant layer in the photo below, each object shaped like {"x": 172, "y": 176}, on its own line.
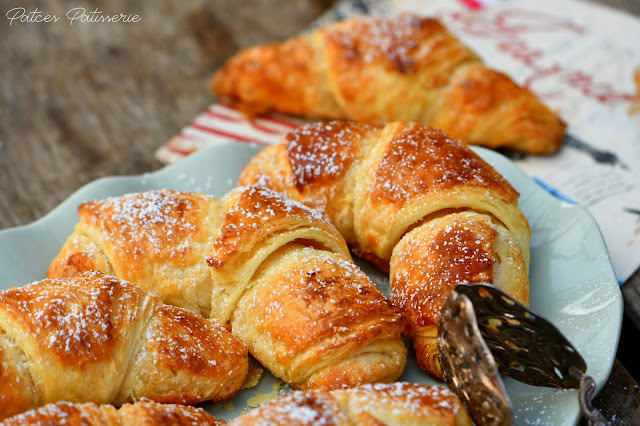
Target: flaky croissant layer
{"x": 392, "y": 404}
{"x": 143, "y": 413}
{"x": 413, "y": 200}
{"x": 382, "y": 69}
{"x": 276, "y": 272}
{"x": 98, "y": 339}
{"x": 397, "y": 403}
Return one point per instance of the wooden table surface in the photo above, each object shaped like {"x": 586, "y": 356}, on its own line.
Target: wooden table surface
{"x": 84, "y": 101}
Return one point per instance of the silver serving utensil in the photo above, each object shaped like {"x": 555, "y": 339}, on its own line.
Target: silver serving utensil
{"x": 483, "y": 332}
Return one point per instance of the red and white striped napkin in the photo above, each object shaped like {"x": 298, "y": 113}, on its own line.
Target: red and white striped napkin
{"x": 222, "y": 122}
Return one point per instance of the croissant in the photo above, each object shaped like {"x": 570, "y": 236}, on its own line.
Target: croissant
{"x": 397, "y": 403}
{"x": 278, "y": 274}
{"x": 412, "y": 200}
{"x": 382, "y": 69}
{"x": 143, "y": 413}
{"x": 97, "y": 339}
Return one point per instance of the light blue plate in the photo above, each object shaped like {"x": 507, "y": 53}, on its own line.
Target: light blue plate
{"x": 572, "y": 281}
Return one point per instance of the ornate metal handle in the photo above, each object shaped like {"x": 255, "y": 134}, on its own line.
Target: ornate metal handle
{"x": 587, "y": 388}
{"x": 483, "y": 332}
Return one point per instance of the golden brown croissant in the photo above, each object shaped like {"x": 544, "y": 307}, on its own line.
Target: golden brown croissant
{"x": 97, "y": 339}
{"x": 143, "y": 413}
{"x": 413, "y": 200}
{"x": 382, "y": 69}
{"x": 278, "y": 273}
{"x": 397, "y": 403}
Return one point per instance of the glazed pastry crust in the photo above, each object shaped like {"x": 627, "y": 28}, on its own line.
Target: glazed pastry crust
{"x": 256, "y": 223}
{"x": 382, "y": 69}
{"x": 414, "y": 201}
{"x": 398, "y": 403}
{"x": 432, "y": 258}
{"x": 142, "y": 413}
{"x": 328, "y": 326}
{"x": 341, "y": 344}
{"x": 143, "y": 238}
{"x": 98, "y": 339}
{"x": 374, "y": 183}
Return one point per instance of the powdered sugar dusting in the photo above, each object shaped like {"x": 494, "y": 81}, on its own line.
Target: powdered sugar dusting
{"x": 186, "y": 341}
{"x": 325, "y": 295}
{"x": 393, "y": 41}
{"x": 322, "y": 152}
{"x": 155, "y": 413}
{"x": 421, "y": 160}
{"x": 60, "y": 413}
{"x": 63, "y": 412}
{"x": 400, "y": 401}
{"x": 257, "y": 211}
{"x": 143, "y": 224}
{"x": 298, "y": 408}
{"x": 78, "y": 321}
{"x": 403, "y": 398}
{"x": 430, "y": 260}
